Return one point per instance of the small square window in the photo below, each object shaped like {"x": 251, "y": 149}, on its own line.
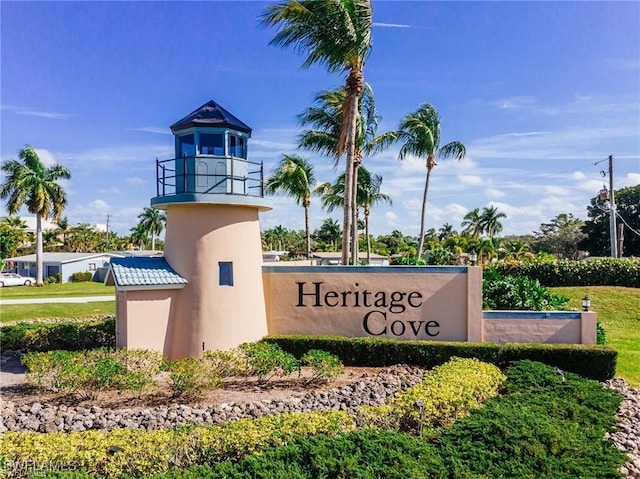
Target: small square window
{"x": 92, "y": 266}
{"x": 225, "y": 273}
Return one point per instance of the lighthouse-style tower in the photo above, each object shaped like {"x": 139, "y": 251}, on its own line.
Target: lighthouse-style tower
{"x": 212, "y": 195}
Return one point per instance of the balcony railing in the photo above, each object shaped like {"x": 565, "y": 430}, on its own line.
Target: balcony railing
{"x": 209, "y": 175}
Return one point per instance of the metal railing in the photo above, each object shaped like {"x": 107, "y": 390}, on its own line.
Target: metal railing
{"x": 178, "y": 176}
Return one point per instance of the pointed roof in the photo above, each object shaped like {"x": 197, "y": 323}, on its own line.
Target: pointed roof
{"x": 211, "y": 114}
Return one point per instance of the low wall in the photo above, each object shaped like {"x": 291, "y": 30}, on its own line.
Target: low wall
{"x": 539, "y": 327}
{"x": 442, "y": 303}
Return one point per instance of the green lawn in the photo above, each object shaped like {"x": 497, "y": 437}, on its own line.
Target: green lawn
{"x": 619, "y": 312}
{"x": 53, "y": 290}
{"x": 22, "y": 312}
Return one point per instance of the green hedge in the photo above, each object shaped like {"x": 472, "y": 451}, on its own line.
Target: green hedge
{"x": 71, "y": 336}
{"x": 593, "y": 362}
{"x": 597, "y": 272}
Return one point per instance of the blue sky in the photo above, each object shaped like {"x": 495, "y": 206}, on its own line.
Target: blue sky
{"x": 539, "y": 92}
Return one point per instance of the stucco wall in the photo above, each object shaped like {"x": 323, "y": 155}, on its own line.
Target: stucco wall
{"x": 145, "y": 318}
{"x": 439, "y": 303}
{"x": 539, "y": 327}
{"x": 208, "y": 315}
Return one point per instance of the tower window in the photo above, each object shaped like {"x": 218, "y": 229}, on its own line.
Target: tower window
{"x": 225, "y": 273}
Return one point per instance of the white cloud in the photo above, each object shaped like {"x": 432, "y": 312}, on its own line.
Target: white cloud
{"x": 45, "y": 114}
{"x": 556, "y": 190}
{"x": 390, "y": 25}
{"x": 46, "y": 157}
{"x": 99, "y": 205}
{"x": 472, "y": 180}
{"x": 153, "y": 129}
{"x": 631, "y": 179}
{"x": 494, "y": 193}
{"x": 134, "y": 180}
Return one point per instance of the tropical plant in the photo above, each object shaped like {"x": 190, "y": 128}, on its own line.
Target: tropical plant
{"x": 420, "y": 135}
{"x": 336, "y": 34}
{"x": 597, "y": 226}
{"x": 367, "y": 195}
{"x": 30, "y": 183}
{"x": 138, "y": 236}
{"x": 471, "y": 223}
{"x": 325, "y": 119}
{"x": 63, "y": 229}
{"x": 294, "y": 177}
{"x": 490, "y": 221}
{"x": 329, "y": 232}
{"x": 152, "y": 221}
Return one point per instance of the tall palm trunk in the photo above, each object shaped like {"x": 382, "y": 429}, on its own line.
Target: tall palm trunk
{"x": 367, "y": 211}
{"x": 354, "y": 207}
{"x": 430, "y": 164}
{"x": 354, "y": 85}
{"x": 306, "y": 203}
{"x": 39, "y": 250}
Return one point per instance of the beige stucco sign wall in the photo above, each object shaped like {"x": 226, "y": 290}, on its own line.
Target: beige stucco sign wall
{"x": 439, "y": 303}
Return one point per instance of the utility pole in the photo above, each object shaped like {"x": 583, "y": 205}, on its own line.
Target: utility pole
{"x": 620, "y": 240}
{"x": 612, "y": 213}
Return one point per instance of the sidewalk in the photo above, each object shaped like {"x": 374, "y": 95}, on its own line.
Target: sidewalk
{"x": 80, "y": 299}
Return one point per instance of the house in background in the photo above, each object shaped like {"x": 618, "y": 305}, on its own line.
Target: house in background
{"x": 64, "y": 263}
{"x": 69, "y": 263}
{"x": 335, "y": 259}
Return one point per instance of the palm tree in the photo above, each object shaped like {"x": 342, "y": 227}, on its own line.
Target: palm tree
{"x": 294, "y": 176}
{"x": 471, "y": 223}
{"x": 32, "y": 184}
{"x": 325, "y": 119}
{"x": 153, "y": 221}
{"x": 419, "y": 133}
{"x": 490, "y": 221}
{"x": 336, "y": 34}
{"x": 369, "y": 195}
{"x": 63, "y": 229}
{"x": 138, "y": 236}
{"x": 329, "y": 232}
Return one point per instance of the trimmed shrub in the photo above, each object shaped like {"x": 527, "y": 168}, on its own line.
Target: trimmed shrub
{"x": 266, "y": 360}
{"x": 139, "y": 453}
{"x": 593, "y": 362}
{"x": 81, "y": 276}
{"x": 88, "y": 373}
{"x": 72, "y": 336}
{"x": 596, "y": 272}
{"x": 326, "y": 366}
{"x": 447, "y": 393}
{"x": 190, "y": 378}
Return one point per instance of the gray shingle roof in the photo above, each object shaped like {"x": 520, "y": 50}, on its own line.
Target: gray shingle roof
{"x": 141, "y": 271}
{"x": 211, "y": 114}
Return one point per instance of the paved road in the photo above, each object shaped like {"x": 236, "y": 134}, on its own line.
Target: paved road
{"x": 60, "y": 299}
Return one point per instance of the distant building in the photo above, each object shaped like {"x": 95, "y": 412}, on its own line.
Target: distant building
{"x": 335, "y": 259}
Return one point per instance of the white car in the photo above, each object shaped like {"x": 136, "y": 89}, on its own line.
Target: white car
{"x": 13, "y": 279}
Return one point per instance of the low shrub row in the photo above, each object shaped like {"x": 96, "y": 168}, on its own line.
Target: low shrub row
{"x": 72, "y": 336}
{"x": 90, "y": 372}
{"x": 139, "y": 453}
{"x": 593, "y": 362}
{"x": 596, "y": 272}
{"x": 447, "y": 393}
